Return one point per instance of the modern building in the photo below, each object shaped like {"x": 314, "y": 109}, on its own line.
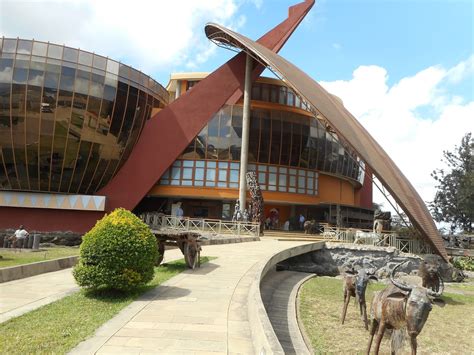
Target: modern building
{"x": 81, "y": 135}
{"x": 302, "y": 167}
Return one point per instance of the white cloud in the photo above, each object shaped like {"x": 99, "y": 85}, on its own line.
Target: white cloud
{"x": 336, "y": 46}
{"x": 145, "y": 34}
{"x": 414, "y": 120}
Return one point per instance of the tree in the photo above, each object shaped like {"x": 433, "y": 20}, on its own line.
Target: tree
{"x": 454, "y": 199}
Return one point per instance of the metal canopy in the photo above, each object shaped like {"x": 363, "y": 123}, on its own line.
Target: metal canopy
{"x": 345, "y": 125}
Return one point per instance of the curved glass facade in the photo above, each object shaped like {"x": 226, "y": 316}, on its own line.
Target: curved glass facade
{"x": 69, "y": 119}
{"x": 278, "y": 138}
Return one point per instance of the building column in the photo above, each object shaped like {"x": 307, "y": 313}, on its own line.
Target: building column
{"x": 178, "y": 89}
{"x": 244, "y": 152}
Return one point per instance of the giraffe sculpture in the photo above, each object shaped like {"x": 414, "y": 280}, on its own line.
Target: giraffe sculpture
{"x": 256, "y": 200}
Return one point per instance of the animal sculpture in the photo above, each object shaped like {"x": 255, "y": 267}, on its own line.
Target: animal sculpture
{"x": 401, "y": 307}
{"x": 355, "y": 284}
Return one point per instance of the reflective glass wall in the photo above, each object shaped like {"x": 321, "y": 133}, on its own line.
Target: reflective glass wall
{"x": 68, "y": 118}
{"x": 277, "y": 138}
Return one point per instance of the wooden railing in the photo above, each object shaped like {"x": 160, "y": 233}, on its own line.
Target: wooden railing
{"x": 386, "y": 239}
{"x": 203, "y": 225}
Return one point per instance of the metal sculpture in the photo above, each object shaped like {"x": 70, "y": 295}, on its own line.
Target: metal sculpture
{"x": 355, "y": 284}
{"x": 256, "y": 200}
{"x": 400, "y": 307}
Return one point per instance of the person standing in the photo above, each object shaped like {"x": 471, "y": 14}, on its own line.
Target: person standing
{"x": 179, "y": 211}
{"x": 301, "y": 220}
{"x": 19, "y": 237}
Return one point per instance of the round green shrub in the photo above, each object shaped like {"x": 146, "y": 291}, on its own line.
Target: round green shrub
{"x": 118, "y": 253}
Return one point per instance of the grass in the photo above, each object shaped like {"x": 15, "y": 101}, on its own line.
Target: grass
{"x": 448, "y": 330}
{"x": 60, "y": 326}
{"x": 13, "y": 258}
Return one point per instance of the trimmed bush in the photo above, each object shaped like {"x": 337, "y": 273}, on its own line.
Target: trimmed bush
{"x": 118, "y": 253}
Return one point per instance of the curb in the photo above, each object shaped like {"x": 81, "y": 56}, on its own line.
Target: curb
{"x": 21, "y": 271}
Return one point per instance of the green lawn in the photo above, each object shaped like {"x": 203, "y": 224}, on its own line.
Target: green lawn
{"x": 12, "y": 258}
{"x": 60, "y": 326}
{"x": 448, "y": 330}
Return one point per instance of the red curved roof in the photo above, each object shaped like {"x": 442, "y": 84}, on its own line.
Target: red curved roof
{"x": 346, "y": 126}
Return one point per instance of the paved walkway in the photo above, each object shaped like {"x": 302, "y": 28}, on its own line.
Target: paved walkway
{"x": 202, "y": 311}
{"x": 20, "y": 296}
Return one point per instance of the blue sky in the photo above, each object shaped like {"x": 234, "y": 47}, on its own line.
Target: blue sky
{"x": 404, "y": 68}
{"x": 337, "y": 36}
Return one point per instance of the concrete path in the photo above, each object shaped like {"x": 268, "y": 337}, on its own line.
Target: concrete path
{"x": 279, "y": 291}
{"x": 202, "y": 311}
{"x": 24, "y": 295}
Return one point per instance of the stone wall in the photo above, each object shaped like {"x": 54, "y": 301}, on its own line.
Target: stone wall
{"x": 335, "y": 258}
{"x": 49, "y": 238}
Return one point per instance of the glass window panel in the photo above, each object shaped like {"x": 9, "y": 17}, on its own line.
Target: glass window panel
{"x": 282, "y": 98}
{"x": 233, "y": 185}
{"x": 310, "y": 173}
{"x": 112, "y": 66}
{"x": 177, "y": 163}
{"x": 301, "y": 172}
{"x": 124, "y": 71}
{"x": 175, "y": 173}
{"x": 282, "y": 188}
{"x": 35, "y": 77}
{"x": 272, "y": 178}
{"x": 186, "y": 183}
{"x": 282, "y": 180}
{"x": 200, "y": 164}
{"x": 222, "y": 175}
{"x": 100, "y": 62}
{"x": 188, "y": 163}
{"x": 175, "y": 182}
{"x": 210, "y": 174}
{"x": 40, "y": 48}
{"x": 272, "y": 188}
{"x": 20, "y": 75}
{"x": 81, "y": 86}
{"x": 272, "y": 169}
{"x": 234, "y": 176}
{"x": 301, "y": 191}
{"x": 301, "y": 182}
{"x": 293, "y": 171}
{"x": 291, "y": 189}
{"x": 283, "y": 170}
{"x": 264, "y": 168}
{"x": 70, "y": 54}
{"x": 85, "y": 58}
{"x": 262, "y": 178}
{"x": 265, "y": 92}
{"x": 223, "y": 165}
{"x": 310, "y": 183}
{"x": 35, "y": 59}
{"x": 221, "y": 184}
{"x": 198, "y": 183}
{"x": 24, "y": 46}
{"x": 9, "y": 45}
{"x": 310, "y": 192}
{"x": 55, "y": 51}
{"x": 164, "y": 182}
{"x": 199, "y": 174}
{"x": 210, "y": 183}
{"x": 211, "y": 164}
{"x": 6, "y": 70}
{"x": 187, "y": 173}
{"x": 292, "y": 181}
{"x": 235, "y": 165}
{"x": 251, "y": 167}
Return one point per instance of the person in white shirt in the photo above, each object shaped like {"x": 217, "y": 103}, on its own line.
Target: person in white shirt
{"x": 301, "y": 220}
{"x": 19, "y": 237}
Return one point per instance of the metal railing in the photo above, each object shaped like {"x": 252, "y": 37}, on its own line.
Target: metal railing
{"x": 202, "y": 225}
{"x": 368, "y": 237}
